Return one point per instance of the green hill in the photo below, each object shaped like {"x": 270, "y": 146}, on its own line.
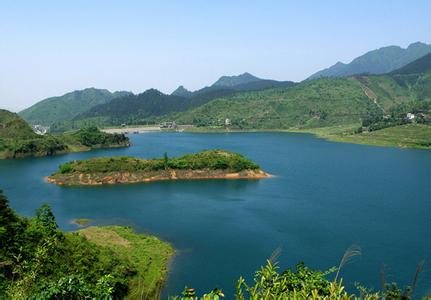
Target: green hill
{"x": 68, "y": 106}
{"x": 134, "y": 108}
{"x": 318, "y": 103}
{"x": 17, "y": 139}
{"x": 418, "y": 66}
{"x": 12, "y": 126}
{"x": 380, "y": 61}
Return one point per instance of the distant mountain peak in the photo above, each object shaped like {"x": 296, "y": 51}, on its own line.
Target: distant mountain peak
{"x": 153, "y": 91}
{"x": 181, "y": 91}
{"x": 378, "y": 61}
{"x": 339, "y": 63}
{"x": 416, "y": 45}
{"x": 230, "y": 81}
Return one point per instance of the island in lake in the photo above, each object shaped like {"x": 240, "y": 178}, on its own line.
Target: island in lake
{"x": 210, "y": 164}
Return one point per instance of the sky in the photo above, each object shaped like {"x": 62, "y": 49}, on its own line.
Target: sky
{"x": 48, "y": 48}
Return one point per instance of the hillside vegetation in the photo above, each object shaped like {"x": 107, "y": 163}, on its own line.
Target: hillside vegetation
{"x": 210, "y": 160}
{"x": 17, "y": 139}
{"x": 311, "y": 104}
{"x": 418, "y": 66}
{"x": 38, "y": 261}
{"x": 66, "y": 107}
{"x": 147, "y": 107}
{"x": 405, "y": 136}
{"x": 12, "y": 126}
{"x": 244, "y": 102}
{"x": 302, "y": 282}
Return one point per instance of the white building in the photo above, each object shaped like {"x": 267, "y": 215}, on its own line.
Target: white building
{"x": 410, "y": 116}
{"x": 39, "y": 129}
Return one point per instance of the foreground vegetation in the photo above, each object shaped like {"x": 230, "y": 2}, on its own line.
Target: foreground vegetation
{"x": 305, "y": 283}
{"x": 17, "y": 139}
{"x": 38, "y": 261}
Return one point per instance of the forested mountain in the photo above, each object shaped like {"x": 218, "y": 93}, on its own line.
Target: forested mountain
{"x": 231, "y": 81}
{"x": 12, "y": 126}
{"x": 250, "y": 102}
{"x": 317, "y": 103}
{"x": 150, "y": 105}
{"x": 263, "y": 84}
{"x": 380, "y": 61}
{"x": 92, "y": 106}
{"x": 242, "y": 82}
{"x": 420, "y": 65}
{"x": 68, "y": 106}
{"x": 140, "y": 109}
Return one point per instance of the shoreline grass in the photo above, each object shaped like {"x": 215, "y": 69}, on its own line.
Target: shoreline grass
{"x": 414, "y": 136}
{"x": 148, "y": 254}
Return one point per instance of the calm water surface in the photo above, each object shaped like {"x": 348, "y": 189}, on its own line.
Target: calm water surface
{"x": 324, "y": 197}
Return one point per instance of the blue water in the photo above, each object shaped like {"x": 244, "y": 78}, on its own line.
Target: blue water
{"x": 324, "y": 197}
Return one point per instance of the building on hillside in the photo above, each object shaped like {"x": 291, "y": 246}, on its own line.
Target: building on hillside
{"x": 39, "y": 129}
{"x": 227, "y": 122}
{"x": 410, "y": 117}
{"x": 168, "y": 125}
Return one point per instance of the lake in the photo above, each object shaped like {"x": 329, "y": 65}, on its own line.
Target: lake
{"x": 324, "y": 197}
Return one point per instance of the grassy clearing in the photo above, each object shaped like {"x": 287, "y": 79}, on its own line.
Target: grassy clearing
{"x": 405, "y": 136}
{"x": 147, "y": 254}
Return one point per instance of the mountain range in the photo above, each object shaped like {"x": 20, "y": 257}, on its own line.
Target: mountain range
{"x": 252, "y": 102}
{"x": 318, "y": 103}
{"x": 309, "y": 104}
{"x": 71, "y": 111}
{"x": 380, "y": 61}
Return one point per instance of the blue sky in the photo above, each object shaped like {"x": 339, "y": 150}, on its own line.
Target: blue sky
{"x": 48, "y": 48}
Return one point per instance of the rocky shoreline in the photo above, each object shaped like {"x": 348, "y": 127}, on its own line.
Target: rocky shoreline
{"x": 90, "y": 179}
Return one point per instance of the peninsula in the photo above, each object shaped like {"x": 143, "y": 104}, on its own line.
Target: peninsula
{"x": 18, "y": 139}
{"x": 210, "y": 164}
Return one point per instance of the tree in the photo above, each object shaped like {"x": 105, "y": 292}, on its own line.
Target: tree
{"x": 46, "y": 219}
{"x": 166, "y": 160}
